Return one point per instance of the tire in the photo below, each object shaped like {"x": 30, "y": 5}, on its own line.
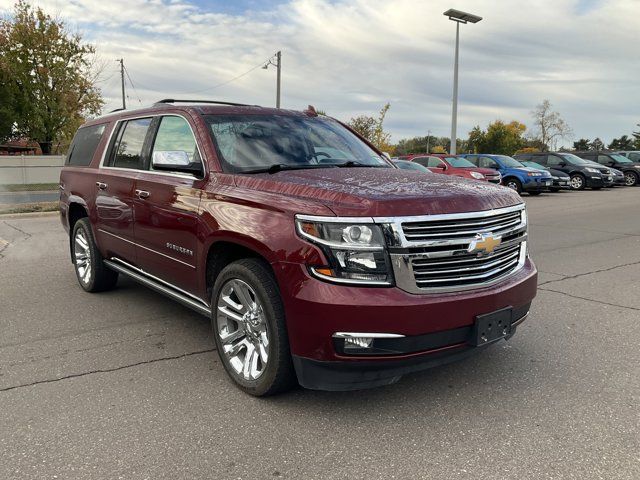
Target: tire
{"x": 578, "y": 182}
{"x": 258, "y": 367}
{"x": 533, "y": 194}
{"x": 513, "y": 184}
{"x": 92, "y": 274}
{"x": 630, "y": 179}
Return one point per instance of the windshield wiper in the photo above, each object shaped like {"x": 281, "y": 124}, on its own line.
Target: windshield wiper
{"x": 353, "y": 163}
{"x": 279, "y": 167}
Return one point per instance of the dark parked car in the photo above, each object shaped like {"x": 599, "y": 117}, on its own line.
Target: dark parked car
{"x": 628, "y": 167}
{"x": 514, "y": 175}
{"x": 407, "y": 165}
{"x": 560, "y": 179}
{"x": 314, "y": 258}
{"x": 582, "y": 174}
{"x": 619, "y": 179}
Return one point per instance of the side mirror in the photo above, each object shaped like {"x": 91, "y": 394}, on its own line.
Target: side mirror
{"x": 175, "y": 161}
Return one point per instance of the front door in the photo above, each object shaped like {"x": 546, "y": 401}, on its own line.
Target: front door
{"x": 166, "y": 209}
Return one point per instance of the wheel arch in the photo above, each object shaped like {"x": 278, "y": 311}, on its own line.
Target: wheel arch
{"x": 223, "y": 250}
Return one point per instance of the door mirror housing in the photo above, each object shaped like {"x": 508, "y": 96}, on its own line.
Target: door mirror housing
{"x": 175, "y": 161}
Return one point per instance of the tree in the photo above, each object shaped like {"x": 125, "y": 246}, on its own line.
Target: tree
{"x": 499, "y": 138}
{"x": 52, "y": 72}
{"x": 7, "y": 105}
{"x": 636, "y": 139}
{"x": 582, "y": 144}
{"x": 420, "y": 144}
{"x": 597, "y": 144}
{"x": 622, "y": 143}
{"x": 549, "y": 126}
{"x": 372, "y": 129}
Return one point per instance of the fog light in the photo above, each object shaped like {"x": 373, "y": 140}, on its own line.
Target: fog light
{"x": 357, "y": 342}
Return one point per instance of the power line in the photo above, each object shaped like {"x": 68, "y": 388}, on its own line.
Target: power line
{"x": 126, "y": 71}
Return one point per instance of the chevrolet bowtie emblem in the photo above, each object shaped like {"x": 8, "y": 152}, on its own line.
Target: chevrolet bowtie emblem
{"x": 484, "y": 243}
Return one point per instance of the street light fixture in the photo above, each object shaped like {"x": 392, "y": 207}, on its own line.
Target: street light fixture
{"x": 458, "y": 17}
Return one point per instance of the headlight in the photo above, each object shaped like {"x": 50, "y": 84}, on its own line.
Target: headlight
{"x": 592, "y": 170}
{"x": 477, "y": 175}
{"x": 534, "y": 174}
{"x": 355, "y": 251}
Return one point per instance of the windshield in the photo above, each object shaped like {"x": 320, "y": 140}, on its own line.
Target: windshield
{"x": 459, "y": 162}
{"x": 534, "y": 165}
{"x": 248, "y": 143}
{"x": 508, "y": 161}
{"x": 404, "y": 165}
{"x": 574, "y": 160}
{"x": 620, "y": 158}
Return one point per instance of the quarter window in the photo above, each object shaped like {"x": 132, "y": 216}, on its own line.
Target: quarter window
{"x": 128, "y": 150}
{"x": 84, "y": 145}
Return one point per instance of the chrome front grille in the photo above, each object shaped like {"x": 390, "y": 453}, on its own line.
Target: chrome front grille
{"x": 441, "y": 253}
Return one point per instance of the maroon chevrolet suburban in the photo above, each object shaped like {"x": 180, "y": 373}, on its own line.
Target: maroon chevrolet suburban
{"x": 317, "y": 261}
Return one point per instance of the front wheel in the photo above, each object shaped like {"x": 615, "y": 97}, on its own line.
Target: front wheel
{"x": 513, "y": 184}
{"x": 630, "y": 179}
{"x": 249, "y": 328}
{"x": 578, "y": 182}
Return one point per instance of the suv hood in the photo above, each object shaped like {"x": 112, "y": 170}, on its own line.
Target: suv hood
{"x": 381, "y": 191}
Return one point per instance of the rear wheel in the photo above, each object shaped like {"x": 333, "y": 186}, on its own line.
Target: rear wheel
{"x": 513, "y": 184}
{"x": 630, "y": 179}
{"x": 249, "y": 328}
{"x": 578, "y": 182}
{"x": 93, "y": 275}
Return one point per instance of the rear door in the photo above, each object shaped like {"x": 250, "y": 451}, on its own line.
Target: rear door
{"x": 114, "y": 186}
{"x": 166, "y": 207}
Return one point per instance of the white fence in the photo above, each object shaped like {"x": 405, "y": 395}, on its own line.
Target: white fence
{"x": 27, "y": 169}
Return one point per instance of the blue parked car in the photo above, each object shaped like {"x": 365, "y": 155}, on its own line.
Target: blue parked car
{"x": 514, "y": 174}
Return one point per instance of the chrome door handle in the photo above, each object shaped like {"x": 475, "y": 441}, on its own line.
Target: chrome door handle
{"x": 142, "y": 194}
{"x": 101, "y": 186}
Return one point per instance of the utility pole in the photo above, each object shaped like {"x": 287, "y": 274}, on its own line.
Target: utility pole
{"x": 124, "y": 103}
{"x": 454, "y": 112}
{"x": 279, "y": 66}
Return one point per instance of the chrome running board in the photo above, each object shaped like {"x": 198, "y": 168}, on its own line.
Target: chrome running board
{"x": 158, "y": 285}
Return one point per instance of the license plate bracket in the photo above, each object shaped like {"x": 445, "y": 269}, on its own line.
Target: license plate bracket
{"x": 491, "y": 327}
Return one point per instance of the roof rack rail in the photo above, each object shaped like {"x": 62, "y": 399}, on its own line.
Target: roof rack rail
{"x": 173, "y": 100}
{"x": 116, "y": 110}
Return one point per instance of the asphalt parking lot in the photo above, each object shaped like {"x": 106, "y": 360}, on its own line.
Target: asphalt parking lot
{"x": 126, "y": 384}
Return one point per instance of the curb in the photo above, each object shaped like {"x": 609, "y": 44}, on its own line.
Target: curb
{"x": 29, "y": 215}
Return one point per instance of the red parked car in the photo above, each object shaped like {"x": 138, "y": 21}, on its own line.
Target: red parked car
{"x": 452, "y": 165}
{"x": 316, "y": 260}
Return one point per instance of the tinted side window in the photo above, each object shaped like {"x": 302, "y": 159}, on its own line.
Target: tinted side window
{"x": 634, "y": 156}
{"x": 486, "y": 162}
{"x": 553, "y": 160}
{"x": 84, "y": 145}
{"x": 424, "y": 161}
{"x": 174, "y": 137}
{"x": 522, "y": 157}
{"x": 473, "y": 159}
{"x": 128, "y": 150}
{"x": 434, "y": 162}
{"x": 541, "y": 159}
{"x": 604, "y": 159}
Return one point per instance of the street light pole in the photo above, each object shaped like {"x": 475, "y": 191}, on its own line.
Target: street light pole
{"x": 454, "y": 109}
{"x": 124, "y": 102}
{"x": 458, "y": 17}
{"x": 428, "y": 138}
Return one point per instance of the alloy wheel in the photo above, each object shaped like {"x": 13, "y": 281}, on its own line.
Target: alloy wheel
{"x": 82, "y": 254}
{"x": 577, "y": 182}
{"x": 629, "y": 179}
{"x": 242, "y": 328}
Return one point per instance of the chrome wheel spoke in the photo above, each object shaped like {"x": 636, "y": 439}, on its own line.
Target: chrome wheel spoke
{"x": 82, "y": 256}
{"x": 242, "y": 329}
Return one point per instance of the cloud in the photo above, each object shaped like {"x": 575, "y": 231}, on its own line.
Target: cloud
{"x": 350, "y": 57}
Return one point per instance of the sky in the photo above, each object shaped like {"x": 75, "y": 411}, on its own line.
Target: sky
{"x": 350, "y": 57}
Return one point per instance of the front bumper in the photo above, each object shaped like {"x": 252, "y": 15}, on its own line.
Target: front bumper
{"x": 595, "y": 181}
{"x": 437, "y": 325}
{"x": 537, "y": 184}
